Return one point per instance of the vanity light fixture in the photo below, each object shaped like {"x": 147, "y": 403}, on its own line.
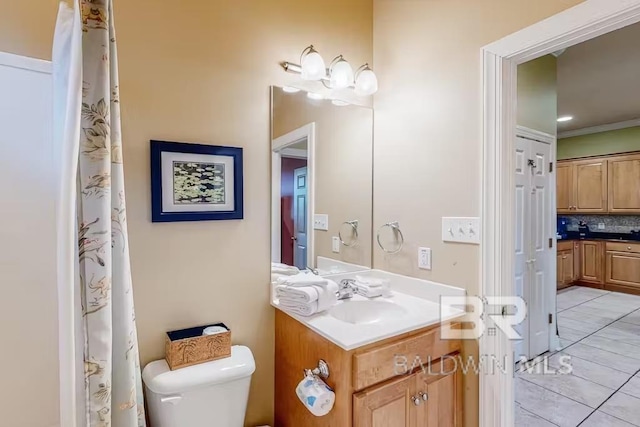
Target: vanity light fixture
{"x": 290, "y": 89}
{"x": 339, "y": 103}
{"x": 312, "y": 65}
{"x": 315, "y": 96}
{"x": 565, "y": 118}
{"x": 340, "y": 74}
{"x": 366, "y": 81}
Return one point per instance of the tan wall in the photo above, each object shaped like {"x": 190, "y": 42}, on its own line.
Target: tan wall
{"x": 344, "y": 173}
{"x": 538, "y": 94}
{"x": 428, "y": 148}
{"x": 201, "y": 72}
{"x": 599, "y": 144}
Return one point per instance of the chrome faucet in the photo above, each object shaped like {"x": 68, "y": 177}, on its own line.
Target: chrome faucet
{"x": 313, "y": 270}
{"x": 346, "y": 289}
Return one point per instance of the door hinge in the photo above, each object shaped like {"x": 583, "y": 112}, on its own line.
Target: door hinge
{"x": 551, "y": 242}
{"x": 551, "y": 167}
{"x": 550, "y": 318}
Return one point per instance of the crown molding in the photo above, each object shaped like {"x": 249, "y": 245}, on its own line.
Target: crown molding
{"x": 600, "y": 128}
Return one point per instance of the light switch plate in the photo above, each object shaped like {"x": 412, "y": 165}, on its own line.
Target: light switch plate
{"x": 321, "y": 222}
{"x": 461, "y": 230}
{"x": 335, "y": 244}
{"x": 424, "y": 258}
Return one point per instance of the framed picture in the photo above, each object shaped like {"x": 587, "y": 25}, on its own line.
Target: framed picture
{"x": 195, "y": 182}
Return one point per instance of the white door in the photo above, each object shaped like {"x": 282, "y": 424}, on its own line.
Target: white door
{"x": 29, "y": 303}
{"x": 300, "y": 210}
{"x": 533, "y": 280}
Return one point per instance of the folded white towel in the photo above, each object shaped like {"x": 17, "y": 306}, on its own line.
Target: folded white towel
{"x": 288, "y": 270}
{"x": 368, "y": 291}
{"x": 304, "y": 294}
{"x": 372, "y": 282}
{"x": 302, "y": 279}
{"x": 327, "y": 297}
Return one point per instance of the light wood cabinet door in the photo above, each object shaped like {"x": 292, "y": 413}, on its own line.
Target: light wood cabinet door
{"x": 590, "y": 193}
{"x": 564, "y": 187}
{"x": 623, "y": 268}
{"x": 440, "y": 392}
{"x": 559, "y": 270}
{"x": 567, "y": 261}
{"x": 592, "y": 262}
{"x": 386, "y": 405}
{"x": 624, "y": 184}
{"x": 576, "y": 261}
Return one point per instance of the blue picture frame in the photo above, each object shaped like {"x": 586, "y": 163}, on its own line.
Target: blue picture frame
{"x": 186, "y": 205}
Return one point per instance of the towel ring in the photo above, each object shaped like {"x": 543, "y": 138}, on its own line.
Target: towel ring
{"x": 396, "y": 229}
{"x": 354, "y": 228}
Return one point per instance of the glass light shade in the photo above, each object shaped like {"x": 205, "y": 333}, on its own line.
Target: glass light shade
{"x": 315, "y": 96}
{"x": 366, "y": 83}
{"x": 341, "y": 75}
{"x": 313, "y": 67}
{"x": 339, "y": 103}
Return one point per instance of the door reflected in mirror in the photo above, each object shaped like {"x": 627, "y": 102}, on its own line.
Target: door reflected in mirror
{"x": 322, "y": 183}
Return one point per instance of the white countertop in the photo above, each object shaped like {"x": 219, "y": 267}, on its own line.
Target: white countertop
{"x": 418, "y": 298}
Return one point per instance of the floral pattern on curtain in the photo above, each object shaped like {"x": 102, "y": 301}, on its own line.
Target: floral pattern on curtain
{"x": 113, "y": 387}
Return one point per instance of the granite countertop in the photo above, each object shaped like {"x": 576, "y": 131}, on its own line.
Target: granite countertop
{"x": 595, "y": 235}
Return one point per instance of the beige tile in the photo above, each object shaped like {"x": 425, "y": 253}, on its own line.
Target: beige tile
{"x": 557, "y": 409}
{"x": 600, "y": 419}
{"x": 586, "y": 318}
{"x": 571, "y": 334}
{"x": 525, "y": 418}
{"x": 624, "y": 407}
{"x": 632, "y": 388}
{"x": 632, "y": 318}
{"x": 620, "y": 300}
{"x": 571, "y": 386}
{"x": 589, "y": 328}
{"x": 617, "y": 333}
{"x": 605, "y": 358}
{"x": 611, "y": 307}
{"x": 591, "y": 371}
{"x": 598, "y": 312}
{"x": 614, "y": 346}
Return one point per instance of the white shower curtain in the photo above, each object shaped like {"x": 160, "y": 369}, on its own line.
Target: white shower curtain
{"x": 100, "y": 372}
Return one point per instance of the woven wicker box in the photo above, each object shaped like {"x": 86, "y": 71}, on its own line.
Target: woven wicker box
{"x": 188, "y": 347}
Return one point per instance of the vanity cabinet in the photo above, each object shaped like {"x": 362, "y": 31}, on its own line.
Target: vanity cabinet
{"x": 384, "y": 384}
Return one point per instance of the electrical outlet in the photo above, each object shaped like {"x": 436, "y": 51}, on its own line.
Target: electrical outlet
{"x": 321, "y": 222}
{"x": 601, "y": 226}
{"x": 335, "y": 244}
{"x": 424, "y": 258}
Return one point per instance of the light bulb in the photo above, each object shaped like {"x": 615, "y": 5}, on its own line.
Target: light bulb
{"x": 315, "y": 96}
{"x": 312, "y": 64}
{"x": 339, "y": 103}
{"x": 366, "y": 82}
{"x": 290, "y": 89}
{"x": 341, "y": 74}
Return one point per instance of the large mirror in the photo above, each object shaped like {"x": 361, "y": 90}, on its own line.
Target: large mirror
{"x": 322, "y": 182}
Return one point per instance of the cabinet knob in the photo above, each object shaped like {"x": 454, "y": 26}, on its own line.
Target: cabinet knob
{"x": 416, "y": 400}
{"x": 628, "y": 248}
{"x": 424, "y": 396}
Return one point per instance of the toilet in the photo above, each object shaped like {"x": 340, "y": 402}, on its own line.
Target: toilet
{"x": 212, "y": 394}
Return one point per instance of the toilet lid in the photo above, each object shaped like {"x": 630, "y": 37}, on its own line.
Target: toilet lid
{"x": 161, "y": 380}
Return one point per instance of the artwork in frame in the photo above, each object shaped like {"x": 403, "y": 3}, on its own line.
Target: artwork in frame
{"x": 195, "y": 182}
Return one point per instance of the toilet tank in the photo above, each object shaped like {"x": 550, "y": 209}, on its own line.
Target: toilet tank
{"x": 212, "y": 394}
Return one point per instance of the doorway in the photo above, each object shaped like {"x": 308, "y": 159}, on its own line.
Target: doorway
{"x": 292, "y": 193}
{"x": 498, "y": 266}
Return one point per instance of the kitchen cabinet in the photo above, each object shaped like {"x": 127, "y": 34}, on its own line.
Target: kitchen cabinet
{"x": 373, "y": 389}
{"x": 623, "y": 266}
{"x": 565, "y": 268}
{"x": 592, "y": 262}
{"x": 624, "y": 184}
{"x": 607, "y": 184}
{"x": 581, "y": 186}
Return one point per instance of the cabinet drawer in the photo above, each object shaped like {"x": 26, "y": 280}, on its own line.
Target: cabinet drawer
{"x": 623, "y": 247}
{"x": 565, "y": 245}
{"x": 381, "y": 363}
{"x": 623, "y": 268}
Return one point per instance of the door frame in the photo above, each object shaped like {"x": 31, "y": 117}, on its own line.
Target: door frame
{"x": 499, "y": 60}
{"x": 280, "y": 148}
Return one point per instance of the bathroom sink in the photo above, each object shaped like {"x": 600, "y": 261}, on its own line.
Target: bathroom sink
{"x": 367, "y": 312}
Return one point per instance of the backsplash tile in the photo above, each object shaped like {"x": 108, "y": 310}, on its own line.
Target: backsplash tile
{"x": 612, "y": 223}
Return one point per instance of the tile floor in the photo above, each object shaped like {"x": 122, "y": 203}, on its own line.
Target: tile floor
{"x": 600, "y": 332}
